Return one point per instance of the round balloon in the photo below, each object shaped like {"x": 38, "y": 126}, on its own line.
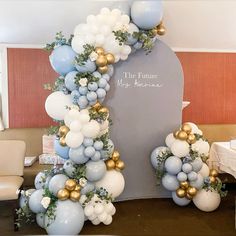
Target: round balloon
{"x": 197, "y": 164}
{"x": 89, "y": 66}
{"x": 69, "y": 168}
{"x": 41, "y": 180}
{"x": 35, "y": 201}
{"x": 89, "y": 187}
{"x": 77, "y": 155}
{"x": 170, "y": 182}
{"x": 180, "y": 201}
{"x": 155, "y": 154}
{"x": 198, "y": 183}
{"x": 95, "y": 170}
{"x": 23, "y": 199}
{"x": 62, "y": 151}
{"x": 56, "y": 183}
{"x": 170, "y": 140}
{"x": 173, "y": 165}
{"x": 180, "y": 148}
{"x": 40, "y": 220}
{"x": 204, "y": 170}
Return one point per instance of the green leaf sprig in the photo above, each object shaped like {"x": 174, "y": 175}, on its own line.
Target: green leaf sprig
{"x": 83, "y": 57}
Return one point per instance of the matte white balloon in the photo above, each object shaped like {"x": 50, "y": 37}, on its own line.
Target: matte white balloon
{"x": 204, "y": 170}
{"x": 56, "y": 183}
{"x": 75, "y": 126}
{"x": 74, "y": 139}
{"x": 180, "y": 148}
{"x": 202, "y": 147}
{"x": 91, "y": 129}
{"x": 170, "y": 140}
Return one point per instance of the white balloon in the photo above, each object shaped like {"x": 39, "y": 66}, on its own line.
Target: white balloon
{"x": 99, "y": 208}
{"x": 105, "y": 11}
{"x": 99, "y": 39}
{"x": 102, "y": 217}
{"x": 74, "y": 139}
{"x": 75, "y": 126}
{"x": 74, "y": 114}
{"x": 108, "y": 220}
{"x": 91, "y": 129}
{"x": 201, "y": 146}
{"x": 105, "y": 30}
{"x": 56, "y": 105}
{"x": 204, "y": 170}
{"x": 195, "y": 128}
{"x": 92, "y": 217}
{"x": 180, "y": 148}
{"x": 126, "y": 50}
{"x": 113, "y": 182}
{"x": 90, "y": 39}
{"x": 96, "y": 221}
{"x": 78, "y": 29}
{"x": 170, "y": 140}
{"x": 104, "y": 125}
{"x": 91, "y": 19}
{"x": 125, "y": 19}
{"x": 109, "y": 207}
{"x": 88, "y": 210}
{"x": 116, "y": 12}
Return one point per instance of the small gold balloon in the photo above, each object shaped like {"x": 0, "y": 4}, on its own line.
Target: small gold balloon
{"x": 63, "y": 194}
{"x": 186, "y": 128}
{"x": 77, "y": 187}
{"x": 97, "y": 106}
{"x": 75, "y": 196}
{"x": 101, "y": 61}
{"x": 103, "y": 69}
{"x": 212, "y": 179}
{"x": 184, "y": 184}
{"x": 214, "y": 173}
{"x": 120, "y": 165}
{"x": 191, "y": 139}
{"x": 180, "y": 192}
{"x": 176, "y": 133}
{"x": 63, "y": 141}
{"x": 189, "y": 197}
{"x": 110, "y": 58}
{"x": 103, "y": 110}
{"x": 182, "y": 135}
{"x": 70, "y": 184}
{"x": 115, "y": 156}
{"x": 161, "y": 30}
{"x": 99, "y": 50}
{"x": 110, "y": 164}
{"x": 63, "y": 130}
{"x": 192, "y": 191}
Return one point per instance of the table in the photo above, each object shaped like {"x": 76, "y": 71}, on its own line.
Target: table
{"x": 223, "y": 158}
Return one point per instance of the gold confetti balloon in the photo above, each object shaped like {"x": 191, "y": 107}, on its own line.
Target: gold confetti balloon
{"x": 186, "y": 128}
{"x": 63, "y": 130}
{"x": 75, "y": 195}
{"x": 115, "y": 156}
{"x": 182, "y": 135}
{"x": 63, "y": 194}
{"x": 110, "y": 58}
{"x": 180, "y": 192}
{"x": 70, "y": 184}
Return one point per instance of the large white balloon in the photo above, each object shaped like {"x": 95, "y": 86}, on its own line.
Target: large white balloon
{"x": 170, "y": 140}
{"x": 74, "y": 139}
{"x": 56, "y": 105}
{"x": 91, "y": 129}
{"x": 113, "y": 182}
{"x": 201, "y": 146}
{"x": 204, "y": 170}
{"x": 180, "y": 148}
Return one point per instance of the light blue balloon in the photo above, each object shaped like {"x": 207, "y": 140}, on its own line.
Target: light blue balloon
{"x": 102, "y": 83}
{"x": 96, "y": 156}
{"x": 147, "y": 14}
{"x": 69, "y": 168}
{"x": 98, "y": 145}
{"x": 187, "y": 168}
{"x": 89, "y": 66}
{"x": 198, "y": 183}
{"x": 92, "y": 86}
{"x": 101, "y": 93}
{"x": 62, "y": 59}
{"x": 170, "y": 182}
{"x": 91, "y": 96}
{"x": 107, "y": 153}
{"x": 89, "y": 151}
{"x": 40, "y": 217}
{"x": 35, "y": 201}
{"x": 197, "y": 164}
{"x": 88, "y": 142}
{"x": 89, "y": 187}
{"x": 110, "y": 71}
{"x": 82, "y": 102}
{"x": 41, "y": 180}
{"x": 95, "y": 170}
{"x": 56, "y": 183}
{"x": 77, "y": 155}
{"x": 75, "y": 96}
{"x": 155, "y": 154}
{"x": 106, "y": 77}
{"x": 97, "y": 74}
{"x": 107, "y": 88}
{"x": 132, "y": 28}
{"x": 61, "y": 151}
{"x": 180, "y": 201}
{"x": 182, "y": 176}
{"x": 138, "y": 45}
{"x": 70, "y": 80}
{"x": 83, "y": 90}
{"x": 69, "y": 219}
{"x": 173, "y": 165}
{"x": 23, "y": 202}
{"x": 192, "y": 176}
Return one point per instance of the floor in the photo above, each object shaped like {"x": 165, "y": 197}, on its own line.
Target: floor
{"x": 149, "y": 217}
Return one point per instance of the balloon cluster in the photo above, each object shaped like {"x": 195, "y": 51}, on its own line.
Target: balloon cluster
{"x": 114, "y": 162}
{"x": 181, "y": 165}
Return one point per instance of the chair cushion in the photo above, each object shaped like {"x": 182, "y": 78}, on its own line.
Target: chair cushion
{"x": 9, "y": 186}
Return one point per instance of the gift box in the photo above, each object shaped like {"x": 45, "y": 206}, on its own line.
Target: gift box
{"x": 52, "y": 159}
{"x": 48, "y": 144}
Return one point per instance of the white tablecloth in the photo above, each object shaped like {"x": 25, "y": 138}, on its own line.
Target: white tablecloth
{"x": 223, "y": 158}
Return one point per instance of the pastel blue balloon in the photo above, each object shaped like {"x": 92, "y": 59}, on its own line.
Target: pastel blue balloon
{"x": 110, "y": 71}
{"x": 106, "y": 153}
{"x": 83, "y": 90}
{"x": 106, "y": 77}
{"x": 56, "y": 183}
{"x": 192, "y": 176}
{"x": 132, "y": 28}
{"x": 40, "y": 217}
{"x": 89, "y": 187}
{"x": 101, "y": 93}
{"x": 154, "y": 156}
{"x": 170, "y": 182}
{"x": 198, "y": 183}
{"x": 23, "y": 201}
{"x": 173, "y": 165}
{"x": 107, "y": 88}
{"x": 41, "y": 180}
{"x": 138, "y": 45}
{"x": 69, "y": 168}
{"x": 182, "y": 176}
{"x": 180, "y": 201}
{"x": 77, "y": 155}
{"x": 62, "y": 59}
{"x": 95, "y": 170}
{"x": 88, "y": 142}
{"x": 102, "y": 83}
{"x": 89, "y": 151}
{"x": 96, "y": 156}
{"x": 75, "y": 96}
{"x": 97, "y": 74}
{"x": 82, "y": 102}
{"x": 147, "y": 14}
{"x": 98, "y": 145}
{"x": 89, "y": 66}
{"x": 197, "y": 164}
{"x": 91, "y": 96}
{"x": 187, "y": 168}
{"x": 35, "y": 201}
{"x": 69, "y": 219}
{"x": 61, "y": 151}
{"x": 70, "y": 80}
{"x": 92, "y": 86}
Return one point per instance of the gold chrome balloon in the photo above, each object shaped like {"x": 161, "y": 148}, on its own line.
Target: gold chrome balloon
{"x": 184, "y": 184}
{"x": 103, "y": 69}
{"x": 192, "y": 191}
{"x": 99, "y": 50}
{"x": 63, "y": 141}
{"x": 182, "y": 135}
{"x": 180, "y": 192}
{"x": 101, "y": 61}
{"x": 176, "y": 133}
{"x": 103, "y": 110}
{"x": 120, "y": 165}
{"x": 70, "y": 184}
{"x": 189, "y": 197}
{"x": 75, "y": 196}
{"x": 212, "y": 179}
{"x": 97, "y": 106}
{"x": 186, "y": 128}
{"x": 63, "y": 130}
{"x": 115, "y": 156}
{"x": 77, "y": 187}
{"x": 191, "y": 139}
{"x": 63, "y": 194}
{"x": 154, "y": 32}
{"x": 110, "y": 164}
{"x": 214, "y": 173}
{"x": 110, "y": 58}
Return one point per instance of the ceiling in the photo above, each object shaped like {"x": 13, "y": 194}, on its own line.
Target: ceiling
{"x": 192, "y": 25}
